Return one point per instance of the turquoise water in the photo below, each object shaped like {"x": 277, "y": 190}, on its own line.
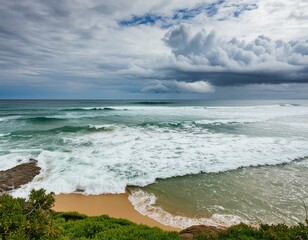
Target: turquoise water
{"x": 215, "y": 162}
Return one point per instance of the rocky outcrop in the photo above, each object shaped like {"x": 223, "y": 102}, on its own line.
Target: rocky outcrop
{"x": 192, "y": 231}
{"x": 19, "y": 175}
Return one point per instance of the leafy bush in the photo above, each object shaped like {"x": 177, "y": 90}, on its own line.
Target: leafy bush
{"x": 21, "y": 219}
{"x": 104, "y": 227}
{"x": 265, "y": 232}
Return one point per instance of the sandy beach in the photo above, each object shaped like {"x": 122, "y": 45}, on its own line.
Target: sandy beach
{"x": 114, "y": 205}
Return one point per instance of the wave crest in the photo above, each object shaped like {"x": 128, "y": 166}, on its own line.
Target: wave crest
{"x": 89, "y": 109}
{"x": 64, "y": 129}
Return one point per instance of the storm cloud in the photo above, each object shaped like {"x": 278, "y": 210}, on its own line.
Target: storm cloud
{"x": 262, "y": 60}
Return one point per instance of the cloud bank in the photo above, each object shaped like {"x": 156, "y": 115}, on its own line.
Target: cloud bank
{"x": 138, "y": 49}
{"x": 263, "y": 60}
{"x": 179, "y": 87}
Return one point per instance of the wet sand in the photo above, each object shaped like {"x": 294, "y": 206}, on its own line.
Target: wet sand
{"x": 114, "y": 205}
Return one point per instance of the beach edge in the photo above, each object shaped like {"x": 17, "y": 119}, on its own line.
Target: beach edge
{"x": 113, "y": 205}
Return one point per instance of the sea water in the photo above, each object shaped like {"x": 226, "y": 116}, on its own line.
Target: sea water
{"x": 184, "y": 162}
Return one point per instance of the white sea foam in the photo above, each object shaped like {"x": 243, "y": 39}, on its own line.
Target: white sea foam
{"x": 4, "y": 134}
{"x": 220, "y": 114}
{"x": 107, "y": 162}
{"x": 8, "y": 118}
{"x": 145, "y": 203}
{"x": 13, "y": 158}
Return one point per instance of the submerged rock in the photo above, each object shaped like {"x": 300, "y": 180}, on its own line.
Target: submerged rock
{"x": 19, "y": 175}
{"x": 192, "y": 231}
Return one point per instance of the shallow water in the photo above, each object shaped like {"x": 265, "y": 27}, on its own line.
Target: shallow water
{"x": 267, "y": 194}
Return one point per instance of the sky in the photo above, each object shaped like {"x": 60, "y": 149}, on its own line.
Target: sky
{"x": 153, "y": 49}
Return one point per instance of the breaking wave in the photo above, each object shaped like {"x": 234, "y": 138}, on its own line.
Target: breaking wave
{"x": 89, "y": 109}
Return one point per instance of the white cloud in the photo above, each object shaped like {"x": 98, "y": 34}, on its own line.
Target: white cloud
{"x": 200, "y": 87}
{"x": 211, "y": 52}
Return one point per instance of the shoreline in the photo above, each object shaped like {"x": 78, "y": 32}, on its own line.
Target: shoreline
{"x": 114, "y": 205}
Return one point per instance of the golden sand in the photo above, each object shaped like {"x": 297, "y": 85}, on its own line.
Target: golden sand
{"x": 114, "y": 205}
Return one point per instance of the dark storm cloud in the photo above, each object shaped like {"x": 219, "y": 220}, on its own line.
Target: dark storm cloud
{"x": 204, "y": 55}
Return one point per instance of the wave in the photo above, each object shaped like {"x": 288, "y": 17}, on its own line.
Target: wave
{"x": 89, "y": 109}
{"x": 152, "y": 103}
{"x": 134, "y": 157}
{"x": 167, "y": 124}
{"x": 41, "y": 119}
{"x": 203, "y": 124}
{"x": 145, "y": 203}
{"x": 4, "y": 134}
{"x": 64, "y": 129}
{"x": 254, "y": 106}
{"x": 288, "y": 105}
{"x": 35, "y": 120}
{"x": 9, "y": 118}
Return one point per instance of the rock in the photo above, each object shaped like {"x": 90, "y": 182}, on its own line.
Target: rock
{"x": 192, "y": 231}
{"x": 19, "y": 175}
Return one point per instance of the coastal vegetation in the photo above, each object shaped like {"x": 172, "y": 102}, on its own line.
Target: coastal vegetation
{"x": 34, "y": 219}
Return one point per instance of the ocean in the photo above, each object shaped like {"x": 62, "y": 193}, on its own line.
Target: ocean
{"x": 184, "y": 162}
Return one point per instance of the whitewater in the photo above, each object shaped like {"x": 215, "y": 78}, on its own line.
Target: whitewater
{"x": 98, "y": 147}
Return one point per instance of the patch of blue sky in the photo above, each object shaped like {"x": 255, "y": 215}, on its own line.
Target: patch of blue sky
{"x": 184, "y": 14}
{"x": 147, "y": 19}
{"x": 243, "y": 8}
{"x": 178, "y": 14}
{"x": 209, "y": 9}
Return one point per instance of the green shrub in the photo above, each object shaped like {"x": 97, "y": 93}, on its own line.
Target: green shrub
{"x": 265, "y": 232}
{"x": 104, "y": 227}
{"x": 21, "y": 219}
